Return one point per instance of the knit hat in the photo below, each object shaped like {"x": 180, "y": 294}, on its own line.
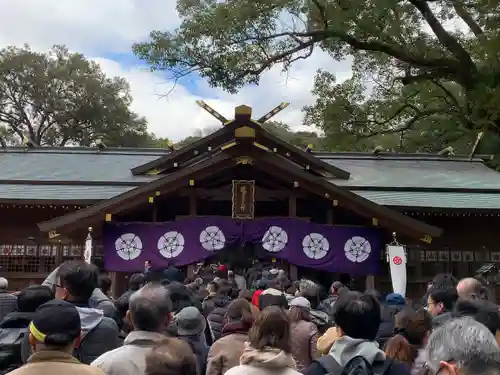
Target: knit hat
{"x": 190, "y": 322}
{"x": 56, "y": 323}
{"x": 301, "y": 302}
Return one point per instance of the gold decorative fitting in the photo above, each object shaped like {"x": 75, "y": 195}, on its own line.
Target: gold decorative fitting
{"x": 151, "y": 199}
{"x": 296, "y": 184}
{"x": 243, "y": 110}
{"x": 427, "y": 239}
{"x": 308, "y": 167}
{"x": 53, "y": 234}
{"x": 335, "y": 202}
{"x": 228, "y": 145}
{"x": 244, "y": 160}
{"x": 261, "y": 146}
{"x": 191, "y": 182}
{"x": 157, "y": 193}
{"x": 375, "y": 222}
{"x": 153, "y": 172}
{"x": 108, "y": 217}
{"x": 244, "y": 132}
{"x": 275, "y": 149}
{"x": 176, "y": 165}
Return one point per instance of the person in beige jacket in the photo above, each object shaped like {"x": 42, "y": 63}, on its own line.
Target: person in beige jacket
{"x": 150, "y": 312}
{"x": 53, "y": 334}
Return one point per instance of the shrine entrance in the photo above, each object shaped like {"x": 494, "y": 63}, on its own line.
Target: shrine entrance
{"x": 255, "y": 189}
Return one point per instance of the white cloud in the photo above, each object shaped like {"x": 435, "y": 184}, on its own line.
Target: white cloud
{"x": 100, "y": 28}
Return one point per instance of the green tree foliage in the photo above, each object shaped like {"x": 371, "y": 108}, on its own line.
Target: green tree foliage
{"x": 426, "y": 73}
{"x": 61, "y": 98}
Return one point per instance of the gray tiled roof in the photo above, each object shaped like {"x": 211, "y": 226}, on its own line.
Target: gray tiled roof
{"x": 74, "y": 164}
{"x": 415, "y": 172}
{"x": 60, "y": 192}
{"x": 433, "y": 199}
{"x": 387, "y": 171}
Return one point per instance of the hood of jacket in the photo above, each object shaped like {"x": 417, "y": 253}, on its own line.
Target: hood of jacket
{"x": 346, "y": 348}
{"x": 270, "y": 358}
{"x": 17, "y": 320}
{"x": 395, "y": 299}
{"x": 441, "y": 319}
{"x": 320, "y": 318}
{"x": 90, "y": 318}
{"x": 97, "y": 300}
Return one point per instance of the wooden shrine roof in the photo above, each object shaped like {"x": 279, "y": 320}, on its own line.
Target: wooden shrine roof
{"x": 391, "y": 179}
{"x": 259, "y": 159}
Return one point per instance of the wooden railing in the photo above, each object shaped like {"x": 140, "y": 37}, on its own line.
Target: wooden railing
{"x": 40, "y": 258}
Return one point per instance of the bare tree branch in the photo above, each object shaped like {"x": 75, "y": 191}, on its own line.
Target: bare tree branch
{"x": 446, "y": 39}
{"x": 468, "y": 19}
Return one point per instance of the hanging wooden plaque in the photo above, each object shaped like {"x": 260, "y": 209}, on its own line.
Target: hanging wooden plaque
{"x": 243, "y": 199}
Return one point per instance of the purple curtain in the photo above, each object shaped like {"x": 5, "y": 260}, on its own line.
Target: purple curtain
{"x": 354, "y": 250}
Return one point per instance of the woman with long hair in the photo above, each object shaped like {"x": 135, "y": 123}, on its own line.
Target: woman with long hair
{"x": 269, "y": 350}
{"x": 225, "y": 353}
{"x": 412, "y": 330}
{"x": 304, "y": 333}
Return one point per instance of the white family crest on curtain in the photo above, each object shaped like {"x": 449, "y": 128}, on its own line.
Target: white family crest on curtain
{"x": 357, "y": 249}
{"x": 315, "y": 245}
{"x": 275, "y": 239}
{"x": 171, "y": 244}
{"x": 212, "y": 238}
{"x": 396, "y": 256}
{"x": 128, "y": 246}
{"x": 87, "y": 254}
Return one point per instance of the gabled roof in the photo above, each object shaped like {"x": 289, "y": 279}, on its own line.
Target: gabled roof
{"x": 219, "y": 138}
{"x": 264, "y": 159}
{"x": 134, "y": 197}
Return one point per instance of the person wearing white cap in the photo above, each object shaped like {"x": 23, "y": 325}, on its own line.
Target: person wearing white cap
{"x": 304, "y": 333}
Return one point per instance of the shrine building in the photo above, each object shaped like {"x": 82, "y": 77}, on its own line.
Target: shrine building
{"x": 240, "y": 194}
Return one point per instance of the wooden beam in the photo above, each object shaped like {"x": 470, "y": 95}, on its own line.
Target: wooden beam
{"x": 224, "y": 194}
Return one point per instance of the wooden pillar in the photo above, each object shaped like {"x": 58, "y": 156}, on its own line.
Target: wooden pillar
{"x": 114, "y": 286}
{"x": 193, "y": 211}
{"x": 370, "y": 282}
{"x": 292, "y": 212}
{"x": 292, "y": 206}
{"x": 329, "y": 216}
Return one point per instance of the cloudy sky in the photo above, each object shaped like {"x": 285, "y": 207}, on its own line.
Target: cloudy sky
{"x": 104, "y": 30}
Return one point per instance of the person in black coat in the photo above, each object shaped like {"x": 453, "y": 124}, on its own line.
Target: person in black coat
{"x": 358, "y": 318}
{"x": 191, "y": 326}
{"x": 393, "y": 304}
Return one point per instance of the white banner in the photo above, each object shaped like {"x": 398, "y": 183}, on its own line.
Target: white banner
{"x": 397, "y": 264}
{"x": 88, "y": 249}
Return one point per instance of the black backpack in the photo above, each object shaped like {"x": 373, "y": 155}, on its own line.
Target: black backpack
{"x": 356, "y": 366}
{"x": 14, "y": 348}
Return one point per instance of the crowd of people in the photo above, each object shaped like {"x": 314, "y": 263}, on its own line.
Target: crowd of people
{"x": 223, "y": 322}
